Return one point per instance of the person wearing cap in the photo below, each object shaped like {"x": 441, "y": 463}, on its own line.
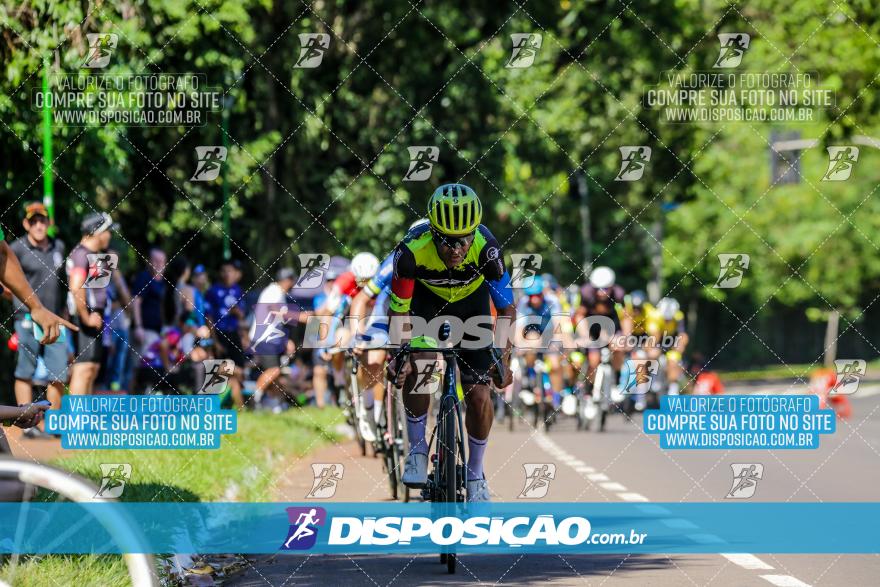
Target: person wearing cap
{"x": 12, "y": 278}
{"x": 42, "y": 261}
{"x": 268, "y": 358}
{"x": 87, "y": 304}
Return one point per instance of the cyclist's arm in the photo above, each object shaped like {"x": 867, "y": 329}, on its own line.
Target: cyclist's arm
{"x": 403, "y": 282}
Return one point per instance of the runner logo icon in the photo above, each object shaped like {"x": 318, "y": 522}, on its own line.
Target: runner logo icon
{"x": 327, "y": 477}
{"x": 525, "y": 48}
{"x": 421, "y": 162}
{"x": 313, "y": 266}
{"x": 428, "y": 372}
{"x": 733, "y": 47}
{"x": 632, "y": 162}
{"x": 745, "y": 480}
{"x": 217, "y": 372}
{"x": 841, "y": 161}
{"x": 524, "y": 269}
{"x": 849, "y": 374}
{"x": 637, "y": 375}
{"x": 101, "y": 46}
{"x": 303, "y": 532}
{"x": 209, "y": 160}
{"x": 101, "y": 266}
{"x": 538, "y": 478}
{"x": 269, "y": 335}
{"x": 733, "y": 267}
{"x": 113, "y": 479}
{"x": 312, "y": 49}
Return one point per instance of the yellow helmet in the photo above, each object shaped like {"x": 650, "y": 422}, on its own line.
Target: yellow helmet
{"x": 455, "y": 210}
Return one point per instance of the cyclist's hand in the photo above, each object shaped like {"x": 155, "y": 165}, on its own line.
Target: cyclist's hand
{"x": 405, "y": 370}
{"x": 357, "y": 351}
{"x": 51, "y": 324}
{"x": 30, "y": 415}
{"x": 94, "y": 320}
{"x": 504, "y": 378}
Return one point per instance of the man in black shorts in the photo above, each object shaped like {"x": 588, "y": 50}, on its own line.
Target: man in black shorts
{"x": 87, "y": 303}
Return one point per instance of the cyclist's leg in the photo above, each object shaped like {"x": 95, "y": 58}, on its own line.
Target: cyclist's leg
{"x": 416, "y": 406}
{"x": 374, "y": 390}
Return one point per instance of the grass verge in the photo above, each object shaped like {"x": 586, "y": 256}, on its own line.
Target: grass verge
{"x": 243, "y": 469}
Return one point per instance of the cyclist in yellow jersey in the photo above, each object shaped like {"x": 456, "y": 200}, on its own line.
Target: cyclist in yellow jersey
{"x": 665, "y": 324}
{"x": 451, "y": 267}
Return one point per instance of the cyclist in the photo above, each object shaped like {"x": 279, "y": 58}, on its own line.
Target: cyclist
{"x": 539, "y": 301}
{"x": 633, "y": 313}
{"x": 336, "y": 301}
{"x": 599, "y": 297}
{"x": 665, "y": 324}
{"x": 451, "y": 267}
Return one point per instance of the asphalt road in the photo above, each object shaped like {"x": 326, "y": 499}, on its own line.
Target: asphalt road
{"x": 622, "y": 464}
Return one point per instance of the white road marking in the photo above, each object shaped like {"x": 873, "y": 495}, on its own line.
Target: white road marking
{"x": 632, "y": 497}
{"x": 784, "y": 581}
{"x": 747, "y": 561}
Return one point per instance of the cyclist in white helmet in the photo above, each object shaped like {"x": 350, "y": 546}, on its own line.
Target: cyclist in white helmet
{"x": 600, "y": 297}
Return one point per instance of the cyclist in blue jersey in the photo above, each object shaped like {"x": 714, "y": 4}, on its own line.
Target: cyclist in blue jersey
{"x": 545, "y": 307}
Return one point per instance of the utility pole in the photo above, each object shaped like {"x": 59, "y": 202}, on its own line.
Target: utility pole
{"x": 583, "y": 193}
{"x": 224, "y": 125}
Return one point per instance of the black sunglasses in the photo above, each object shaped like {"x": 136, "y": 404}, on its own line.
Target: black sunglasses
{"x": 452, "y": 242}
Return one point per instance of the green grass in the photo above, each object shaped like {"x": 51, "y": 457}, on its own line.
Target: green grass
{"x": 248, "y": 461}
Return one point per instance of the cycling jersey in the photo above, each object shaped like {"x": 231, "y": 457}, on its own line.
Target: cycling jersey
{"x": 416, "y": 259}
{"x": 639, "y": 317}
{"x": 656, "y": 325}
{"x": 590, "y": 301}
{"x": 548, "y": 308}
{"x": 382, "y": 280}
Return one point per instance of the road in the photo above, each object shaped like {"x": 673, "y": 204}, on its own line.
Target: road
{"x": 622, "y": 464}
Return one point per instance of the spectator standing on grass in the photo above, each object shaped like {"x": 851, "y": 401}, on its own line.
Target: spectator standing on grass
{"x": 117, "y": 332}
{"x": 42, "y": 261}
{"x": 87, "y": 304}
{"x": 148, "y": 291}
{"x": 226, "y": 315}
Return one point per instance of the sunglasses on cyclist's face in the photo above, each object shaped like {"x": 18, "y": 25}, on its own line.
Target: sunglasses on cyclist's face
{"x": 451, "y": 242}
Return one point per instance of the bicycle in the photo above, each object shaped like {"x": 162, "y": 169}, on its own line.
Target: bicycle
{"x": 141, "y": 567}
{"x": 395, "y": 440}
{"x": 598, "y": 403}
{"x": 447, "y": 480}
{"x": 351, "y": 404}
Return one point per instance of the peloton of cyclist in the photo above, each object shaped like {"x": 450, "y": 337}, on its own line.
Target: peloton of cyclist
{"x": 451, "y": 267}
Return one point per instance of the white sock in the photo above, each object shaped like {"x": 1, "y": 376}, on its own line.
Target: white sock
{"x": 377, "y": 411}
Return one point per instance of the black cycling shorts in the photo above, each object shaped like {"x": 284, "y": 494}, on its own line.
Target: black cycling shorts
{"x": 88, "y": 343}
{"x": 473, "y": 365}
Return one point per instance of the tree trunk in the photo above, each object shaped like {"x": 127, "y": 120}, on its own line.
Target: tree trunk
{"x": 831, "y": 338}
